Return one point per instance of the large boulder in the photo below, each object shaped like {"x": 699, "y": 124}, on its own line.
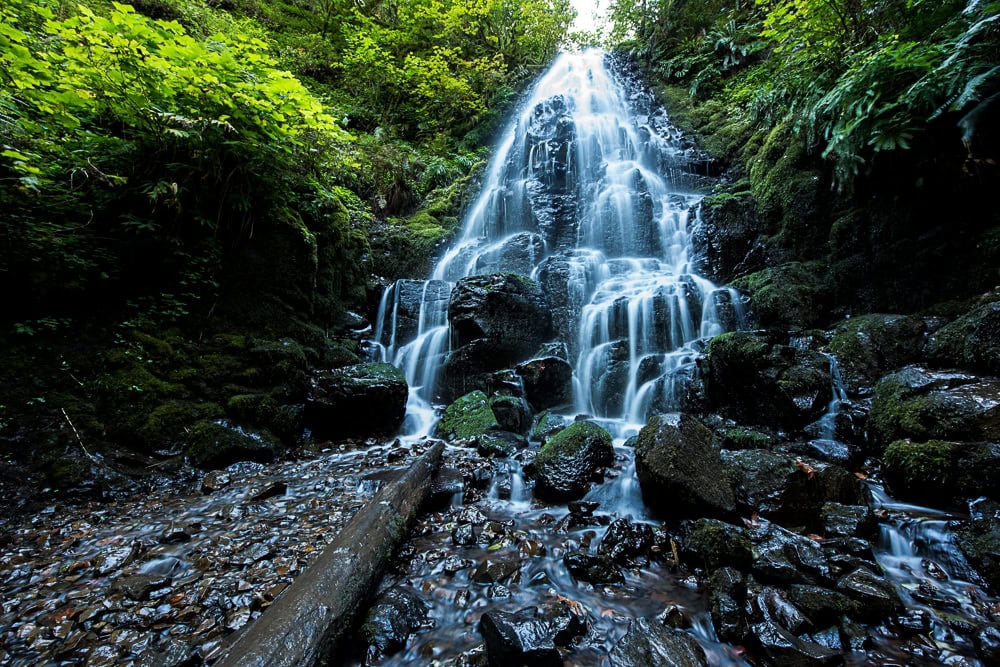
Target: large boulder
{"x": 468, "y": 417}
{"x": 512, "y": 413}
{"x": 796, "y": 294}
{"x": 714, "y": 544}
{"x": 530, "y": 636}
{"x": 396, "y": 614}
{"x": 360, "y": 400}
{"x": 506, "y": 309}
{"x": 922, "y": 404}
{"x": 788, "y": 489}
{"x": 938, "y": 471}
{"x": 570, "y": 460}
{"x": 548, "y": 382}
{"x": 680, "y": 470}
{"x": 755, "y": 380}
{"x": 870, "y": 346}
{"x": 649, "y": 643}
{"x": 971, "y": 341}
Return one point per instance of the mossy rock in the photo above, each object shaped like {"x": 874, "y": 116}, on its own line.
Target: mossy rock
{"x": 467, "y": 417}
{"x": 261, "y": 410}
{"x": 972, "y": 341}
{"x": 546, "y": 425}
{"x": 713, "y": 544}
{"x": 570, "y": 460}
{"x": 869, "y": 346}
{"x": 791, "y": 295}
{"x": 357, "y": 401}
{"x": 978, "y": 539}
{"x": 167, "y": 423}
{"x": 512, "y": 413}
{"x": 745, "y": 438}
{"x": 938, "y": 471}
{"x": 216, "y": 444}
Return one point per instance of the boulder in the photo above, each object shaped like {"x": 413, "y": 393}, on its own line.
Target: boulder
{"x": 468, "y": 417}
{"x": 500, "y": 444}
{"x": 593, "y": 569}
{"x": 979, "y": 540}
{"x": 625, "y": 541}
{"x": 972, "y": 341}
{"x": 680, "y": 470}
{"x": 512, "y": 413}
{"x": 520, "y": 638}
{"x": 357, "y": 401}
{"x": 546, "y": 425}
{"x": 570, "y": 460}
{"x": 794, "y": 294}
{"x": 648, "y": 643}
{"x": 754, "y": 380}
{"x": 396, "y": 614}
{"x": 712, "y": 544}
{"x": 938, "y": 471}
{"x": 548, "y": 382}
{"x": 870, "y": 346}
{"x": 848, "y": 521}
{"x": 727, "y": 595}
{"x": 876, "y": 597}
{"x": 725, "y": 237}
{"x": 788, "y": 489}
{"x": 216, "y": 444}
{"x": 784, "y": 557}
{"x": 922, "y": 404}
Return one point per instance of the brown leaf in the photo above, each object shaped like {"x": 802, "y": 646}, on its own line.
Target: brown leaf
{"x": 806, "y": 468}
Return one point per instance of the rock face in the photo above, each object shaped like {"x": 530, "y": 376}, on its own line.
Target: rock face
{"x": 548, "y": 382}
{"x": 679, "y": 469}
{"x": 569, "y": 461}
{"x": 360, "y": 400}
{"x": 407, "y": 298}
{"x": 496, "y": 321}
{"x": 725, "y": 239}
{"x": 651, "y": 644}
{"x": 923, "y": 404}
{"x": 971, "y": 341}
{"x": 870, "y": 346}
{"x": 467, "y": 417}
{"x": 755, "y": 380}
{"x": 396, "y": 614}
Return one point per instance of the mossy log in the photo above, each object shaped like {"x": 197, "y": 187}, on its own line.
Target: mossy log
{"x": 306, "y": 625}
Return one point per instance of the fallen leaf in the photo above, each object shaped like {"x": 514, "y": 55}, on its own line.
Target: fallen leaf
{"x": 806, "y": 468}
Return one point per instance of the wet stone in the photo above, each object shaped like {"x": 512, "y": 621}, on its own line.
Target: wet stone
{"x": 117, "y": 558}
{"x": 785, "y": 649}
{"x": 396, "y": 614}
{"x": 139, "y": 586}
{"x": 625, "y": 541}
{"x": 453, "y": 564}
{"x": 463, "y": 534}
{"x": 876, "y": 597}
{"x": 593, "y": 569}
{"x": 496, "y": 571}
{"x": 521, "y": 638}
{"x": 650, "y": 644}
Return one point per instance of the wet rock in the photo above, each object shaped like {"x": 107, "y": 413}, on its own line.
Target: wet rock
{"x": 625, "y": 541}
{"x": 407, "y": 298}
{"x": 211, "y": 444}
{"x": 725, "y": 238}
{"x": 521, "y": 638}
{"x": 848, "y": 521}
{"x": 468, "y": 417}
{"x": 870, "y": 346}
{"x": 679, "y": 468}
{"x": 453, "y": 564}
{"x": 396, "y": 614}
{"x": 546, "y": 425}
{"x": 727, "y": 596}
{"x": 519, "y": 253}
{"x": 875, "y": 596}
{"x": 785, "y": 557}
{"x": 775, "y": 608}
{"x": 920, "y": 404}
{"x": 649, "y": 644}
{"x": 139, "y": 586}
{"x": 988, "y": 644}
{"x": 754, "y": 380}
{"x": 972, "y": 341}
{"x": 215, "y": 481}
{"x": 823, "y": 606}
{"x": 593, "y": 569}
{"x": 463, "y": 535}
{"x": 789, "y": 489}
{"x": 512, "y": 413}
{"x": 548, "y": 382}
{"x": 712, "y": 544}
{"x": 570, "y": 460}
{"x": 567, "y": 620}
{"x": 447, "y": 483}
{"x": 784, "y": 649}
{"x": 979, "y": 540}
{"x": 936, "y": 471}
{"x": 496, "y": 570}
{"x": 501, "y": 444}
{"x": 357, "y": 401}
{"x": 271, "y": 491}
{"x": 116, "y": 558}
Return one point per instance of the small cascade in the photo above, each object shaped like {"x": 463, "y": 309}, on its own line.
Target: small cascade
{"x": 621, "y": 497}
{"x": 827, "y": 444}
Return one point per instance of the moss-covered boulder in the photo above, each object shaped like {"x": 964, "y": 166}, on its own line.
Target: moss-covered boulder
{"x": 972, "y": 341}
{"x": 357, "y": 401}
{"x": 713, "y": 544}
{"x": 921, "y": 404}
{"x": 796, "y": 294}
{"x": 870, "y": 346}
{"x": 979, "y": 540}
{"x": 216, "y": 444}
{"x": 570, "y": 461}
{"x": 757, "y": 380}
{"x": 937, "y": 471}
{"x": 788, "y": 489}
{"x": 680, "y": 470}
{"x": 468, "y": 417}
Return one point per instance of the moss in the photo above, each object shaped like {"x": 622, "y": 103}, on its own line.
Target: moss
{"x": 467, "y": 417}
{"x": 715, "y": 544}
{"x": 795, "y": 294}
{"x": 219, "y": 443}
{"x": 913, "y": 469}
{"x": 168, "y": 422}
{"x": 570, "y": 440}
{"x": 744, "y": 438}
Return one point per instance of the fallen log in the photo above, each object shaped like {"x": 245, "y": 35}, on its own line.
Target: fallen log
{"x": 305, "y": 625}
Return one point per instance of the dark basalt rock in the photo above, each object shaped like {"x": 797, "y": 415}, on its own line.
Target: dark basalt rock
{"x": 789, "y": 489}
{"x": 727, "y": 595}
{"x": 495, "y": 571}
{"x": 625, "y": 541}
{"x": 215, "y": 444}
{"x": 593, "y": 569}
{"x": 570, "y": 460}
{"x": 521, "y": 638}
{"x": 821, "y": 605}
{"x": 972, "y": 341}
{"x": 679, "y": 469}
{"x": 714, "y": 544}
{"x": 870, "y": 346}
{"x": 546, "y": 425}
{"x": 784, "y": 649}
{"x": 548, "y": 382}
{"x": 500, "y": 444}
{"x": 937, "y": 471}
{"x": 755, "y": 380}
{"x": 875, "y": 596}
{"x": 650, "y": 644}
{"x": 396, "y": 614}
{"x": 922, "y": 404}
{"x": 407, "y": 298}
{"x": 512, "y": 413}
{"x": 784, "y": 557}
{"x": 725, "y": 240}
{"x": 519, "y": 253}
{"x": 979, "y": 540}
{"x": 361, "y": 400}
{"x": 847, "y": 521}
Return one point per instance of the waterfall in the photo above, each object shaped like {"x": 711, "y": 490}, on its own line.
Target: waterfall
{"x": 587, "y": 192}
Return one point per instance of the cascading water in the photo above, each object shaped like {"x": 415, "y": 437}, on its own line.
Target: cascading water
{"x": 576, "y": 197}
